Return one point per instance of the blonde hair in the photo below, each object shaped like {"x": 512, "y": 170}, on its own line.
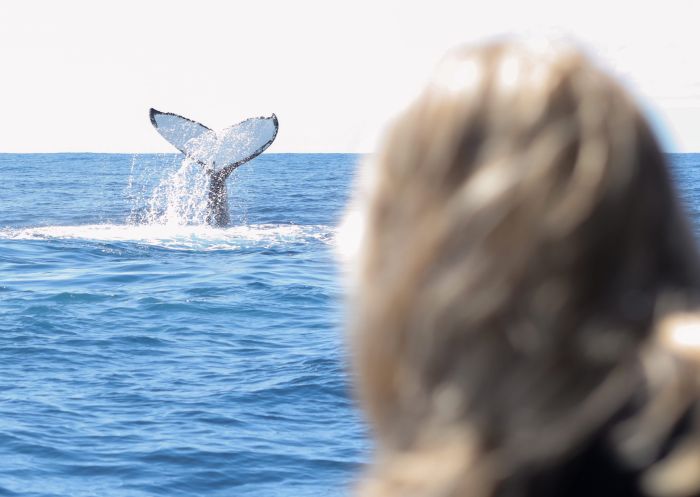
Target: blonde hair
{"x": 522, "y": 244}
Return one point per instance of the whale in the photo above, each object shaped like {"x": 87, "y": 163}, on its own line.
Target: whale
{"x": 220, "y": 153}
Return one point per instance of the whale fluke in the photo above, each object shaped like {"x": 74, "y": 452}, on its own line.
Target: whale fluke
{"x": 234, "y": 145}
{"x": 220, "y": 153}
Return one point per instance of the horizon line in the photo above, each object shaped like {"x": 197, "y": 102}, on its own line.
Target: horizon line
{"x": 177, "y": 153}
{"x": 667, "y": 152}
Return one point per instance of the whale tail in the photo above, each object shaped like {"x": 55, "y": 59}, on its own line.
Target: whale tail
{"x": 219, "y": 152}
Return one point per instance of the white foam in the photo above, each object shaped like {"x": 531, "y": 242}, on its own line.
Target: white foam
{"x": 179, "y": 237}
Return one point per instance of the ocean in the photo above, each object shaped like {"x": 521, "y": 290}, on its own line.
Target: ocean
{"x": 143, "y": 353}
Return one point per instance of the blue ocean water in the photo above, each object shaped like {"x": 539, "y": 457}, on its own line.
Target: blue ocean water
{"x": 685, "y": 169}
{"x": 141, "y": 355}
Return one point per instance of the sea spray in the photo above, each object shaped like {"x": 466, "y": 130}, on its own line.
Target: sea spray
{"x": 179, "y": 198}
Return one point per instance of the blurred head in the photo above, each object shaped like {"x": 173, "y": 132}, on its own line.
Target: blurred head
{"x": 520, "y": 244}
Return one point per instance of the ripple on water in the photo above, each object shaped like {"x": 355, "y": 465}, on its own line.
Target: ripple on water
{"x": 171, "y": 360}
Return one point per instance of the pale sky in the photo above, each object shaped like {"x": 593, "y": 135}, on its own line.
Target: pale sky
{"x": 81, "y": 75}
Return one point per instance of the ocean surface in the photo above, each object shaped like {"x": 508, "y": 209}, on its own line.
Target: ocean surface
{"x": 143, "y": 353}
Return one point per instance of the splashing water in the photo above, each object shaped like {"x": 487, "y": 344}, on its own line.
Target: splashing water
{"x": 166, "y": 207}
{"x": 166, "y": 200}
{"x": 180, "y": 198}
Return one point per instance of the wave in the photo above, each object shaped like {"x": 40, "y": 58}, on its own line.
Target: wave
{"x": 180, "y": 237}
